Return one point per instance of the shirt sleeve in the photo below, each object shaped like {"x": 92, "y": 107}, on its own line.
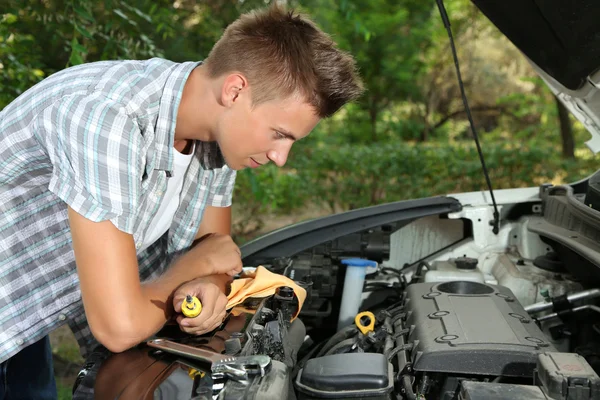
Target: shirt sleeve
{"x": 95, "y": 150}
{"x": 221, "y": 189}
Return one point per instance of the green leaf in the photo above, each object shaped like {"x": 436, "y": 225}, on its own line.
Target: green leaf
{"x": 9, "y": 19}
{"x": 81, "y": 49}
{"x": 75, "y": 58}
{"x": 82, "y": 12}
{"x": 137, "y": 11}
{"x": 84, "y": 32}
{"x": 121, "y": 14}
{"x": 141, "y": 14}
{"x": 124, "y": 16}
{"x": 76, "y": 47}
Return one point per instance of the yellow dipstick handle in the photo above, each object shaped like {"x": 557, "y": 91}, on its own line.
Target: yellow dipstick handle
{"x": 191, "y": 306}
{"x": 365, "y": 321}
{"x": 192, "y": 373}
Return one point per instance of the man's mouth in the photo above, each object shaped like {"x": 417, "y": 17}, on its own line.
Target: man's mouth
{"x": 254, "y": 163}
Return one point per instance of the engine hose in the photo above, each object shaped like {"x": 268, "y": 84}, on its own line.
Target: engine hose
{"x": 418, "y": 273}
{"x": 395, "y": 309}
{"x": 343, "y": 334}
{"x": 407, "y": 386}
{"x": 308, "y": 356}
{"x": 397, "y": 317}
{"x": 345, "y": 346}
{"x": 396, "y": 350}
{"x": 424, "y": 385}
{"x": 389, "y": 342}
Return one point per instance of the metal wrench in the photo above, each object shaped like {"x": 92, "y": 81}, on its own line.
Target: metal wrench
{"x": 238, "y": 368}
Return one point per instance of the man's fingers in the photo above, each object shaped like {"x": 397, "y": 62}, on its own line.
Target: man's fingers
{"x": 209, "y": 325}
{"x": 192, "y": 325}
{"x": 213, "y": 305}
{"x": 236, "y": 270}
{"x": 210, "y": 317}
{"x": 204, "y": 327}
{"x": 216, "y": 320}
{"x": 193, "y": 289}
{"x": 177, "y": 302}
{"x": 213, "y": 301}
{"x": 181, "y": 293}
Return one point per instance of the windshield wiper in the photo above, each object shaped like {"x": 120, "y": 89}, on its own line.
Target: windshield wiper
{"x": 444, "y": 15}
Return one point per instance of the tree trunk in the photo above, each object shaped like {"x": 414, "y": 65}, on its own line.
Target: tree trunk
{"x": 425, "y": 133}
{"x": 373, "y": 111}
{"x": 566, "y": 131}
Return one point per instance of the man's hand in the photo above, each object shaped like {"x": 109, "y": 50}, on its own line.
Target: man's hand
{"x": 108, "y": 273}
{"x": 214, "y": 303}
{"x": 217, "y": 254}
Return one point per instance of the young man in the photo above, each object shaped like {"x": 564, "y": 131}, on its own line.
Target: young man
{"x": 111, "y": 170}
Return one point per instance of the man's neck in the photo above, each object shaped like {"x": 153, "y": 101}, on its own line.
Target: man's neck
{"x": 197, "y": 110}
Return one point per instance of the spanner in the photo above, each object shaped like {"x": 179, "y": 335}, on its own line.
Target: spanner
{"x": 238, "y": 368}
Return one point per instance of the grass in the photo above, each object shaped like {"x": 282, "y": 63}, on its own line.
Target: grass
{"x": 64, "y": 392}
{"x": 67, "y": 360}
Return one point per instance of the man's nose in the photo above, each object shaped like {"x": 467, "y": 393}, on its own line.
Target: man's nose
{"x": 279, "y": 156}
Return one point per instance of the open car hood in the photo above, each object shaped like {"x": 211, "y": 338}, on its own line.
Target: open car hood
{"x": 561, "y": 39}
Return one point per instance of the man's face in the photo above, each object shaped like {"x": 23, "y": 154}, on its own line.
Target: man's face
{"x": 251, "y": 137}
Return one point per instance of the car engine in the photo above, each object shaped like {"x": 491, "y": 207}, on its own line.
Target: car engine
{"x": 456, "y": 339}
{"x": 476, "y": 320}
{"x": 447, "y": 310}
{"x": 447, "y": 340}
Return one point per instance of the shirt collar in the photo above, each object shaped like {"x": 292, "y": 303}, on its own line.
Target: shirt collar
{"x": 167, "y": 113}
{"x": 209, "y": 154}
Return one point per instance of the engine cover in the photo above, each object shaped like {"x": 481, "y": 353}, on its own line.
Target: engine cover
{"x": 464, "y": 327}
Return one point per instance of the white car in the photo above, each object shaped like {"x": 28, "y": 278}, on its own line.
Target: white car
{"x": 452, "y": 297}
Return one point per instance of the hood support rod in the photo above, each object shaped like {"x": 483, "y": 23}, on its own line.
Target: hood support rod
{"x": 446, "y": 20}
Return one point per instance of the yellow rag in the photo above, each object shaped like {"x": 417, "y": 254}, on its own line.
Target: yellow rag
{"x": 261, "y": 283}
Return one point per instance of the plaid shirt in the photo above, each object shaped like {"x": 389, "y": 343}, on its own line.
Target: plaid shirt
{"x": 98, "y": 137}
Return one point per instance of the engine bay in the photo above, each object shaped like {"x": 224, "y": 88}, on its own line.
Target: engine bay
{"x": 457, "y": 339}
{"x": 447, "y": 310}
{"x": 482, "y": 316}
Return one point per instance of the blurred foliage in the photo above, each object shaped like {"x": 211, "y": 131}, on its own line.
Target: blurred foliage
{"x": 387, "y": 38}
{"x": 406, "y": 137}
{"x": 40, "y": 37}
{"x": 356, "y": 176}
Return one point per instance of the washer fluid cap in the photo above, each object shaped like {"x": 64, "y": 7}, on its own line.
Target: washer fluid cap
{"x": 359, "y": 262}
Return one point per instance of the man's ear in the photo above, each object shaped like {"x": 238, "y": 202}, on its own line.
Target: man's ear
{"x": 234, "y": 86}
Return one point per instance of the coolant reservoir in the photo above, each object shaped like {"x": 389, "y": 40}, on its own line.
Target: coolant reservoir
{"x": 353, "y": 286}
{"x": 459, "y": 269}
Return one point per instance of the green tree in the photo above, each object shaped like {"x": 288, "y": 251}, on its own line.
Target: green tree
{"x": 38, "y": 38}
{"x": 388, "y": 39}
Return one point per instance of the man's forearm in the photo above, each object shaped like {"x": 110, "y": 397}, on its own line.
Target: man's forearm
{"x": 157, "y": 295}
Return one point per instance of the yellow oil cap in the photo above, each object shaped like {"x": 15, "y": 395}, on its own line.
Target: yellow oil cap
{"x": 191, "y": 306}
{"x": 365, "y": 321}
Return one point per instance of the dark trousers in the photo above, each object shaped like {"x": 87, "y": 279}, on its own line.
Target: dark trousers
{"x": 29, "y": 374}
